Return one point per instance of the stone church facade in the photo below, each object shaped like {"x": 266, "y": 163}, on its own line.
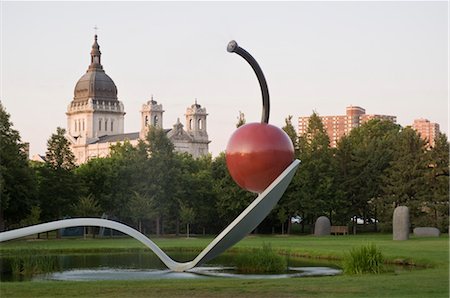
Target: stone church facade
{"x": 95, "y": 118}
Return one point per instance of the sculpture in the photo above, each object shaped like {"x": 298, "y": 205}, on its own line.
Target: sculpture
{"x": 270, "y": 193}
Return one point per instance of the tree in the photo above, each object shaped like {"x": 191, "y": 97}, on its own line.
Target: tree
{"x": 17, "y": 181}
{"x": 290, "y": 131}
{"x": 362, "y": 157}
{"x": 241, "y": 120}
{"x": 163, "y": 173}
{"x": 404, "y": 182}
{"x": 288, "y": 202}
{"x": 438, "y": 183}
{"x": 315, "y": 177}
{"x": 59, "y": 155}
{"x": 196, "y": 190}
{"x": 86, "y": 206}
{"x": 59, "y": 187}
{"x": 187, "y": 216}
{"x": 231, "y": 199}
{"x": 142, "y": 207}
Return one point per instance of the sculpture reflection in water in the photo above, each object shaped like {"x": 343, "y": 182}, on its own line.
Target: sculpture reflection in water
{"x": 247, "y": 221}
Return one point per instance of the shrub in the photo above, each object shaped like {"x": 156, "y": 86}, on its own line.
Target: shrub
{"x": 261, "y": 260}
{"x": 365, "y": 259}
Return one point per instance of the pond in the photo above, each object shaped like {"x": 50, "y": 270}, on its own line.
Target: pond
{"x": 144, "y": 265}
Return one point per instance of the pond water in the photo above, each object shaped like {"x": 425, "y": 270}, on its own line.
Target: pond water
{"x": 145, "y": 265}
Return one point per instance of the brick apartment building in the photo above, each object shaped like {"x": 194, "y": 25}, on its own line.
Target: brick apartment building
{"x": 428, "y": 131}
{"x": 340, "y": 125}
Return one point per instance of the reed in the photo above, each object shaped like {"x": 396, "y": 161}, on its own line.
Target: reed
{"x": 364, "y": 259}
{"x": 261, "y": 260}
{"x": 27, "y": 263}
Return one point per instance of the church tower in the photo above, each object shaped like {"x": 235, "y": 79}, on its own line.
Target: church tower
{"x": 151, "y": 115}
{"x": 95, "y": 110}
{"x": 196, "y": 128}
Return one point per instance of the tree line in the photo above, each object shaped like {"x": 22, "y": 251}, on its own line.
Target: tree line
{"x": 373, "y": 169}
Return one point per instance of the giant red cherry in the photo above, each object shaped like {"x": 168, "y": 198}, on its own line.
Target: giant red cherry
{"x": 257, "y": 153}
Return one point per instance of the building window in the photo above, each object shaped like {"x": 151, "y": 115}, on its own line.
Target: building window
{"x": 145, "y": 121}
{"x": 100, "y": 124}
{"x": 200, "y": 124}
{"x": 106, "y": 125}
{"x": 190, "y": 124}
{"x": 75, "y": 125}
{"x": 112, "y": 126}
{"x": 83, "y": 125}
{"x": 155, "y": 120}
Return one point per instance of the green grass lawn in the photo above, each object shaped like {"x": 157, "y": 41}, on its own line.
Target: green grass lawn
{"x": 431, "y": 279}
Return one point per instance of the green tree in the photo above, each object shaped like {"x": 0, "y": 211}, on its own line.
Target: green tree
{"x": 187, "y": 216}
{"x": 59, "y": 155}
{"x": 288, "y": 203}
{"x": 362, "y": 157}
{"x": 290, "y": 131}
{"x": 59, "y": 187}
{"x": 404, "y": 181}
{"x": 142, "y": 207}
{"x": 315, "y": 176}
{"x": 17, "y": 181}
{"x": 241, "y": 120}
{"x": 438, "y": 182}
{"x": 86, "y": 206}
{"x": 196, "y": 190}
{"x": 163, "y": 173}
{"x": 231, "y": 199}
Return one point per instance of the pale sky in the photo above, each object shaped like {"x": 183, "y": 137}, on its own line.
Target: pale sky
{"x": 387, "y": 57}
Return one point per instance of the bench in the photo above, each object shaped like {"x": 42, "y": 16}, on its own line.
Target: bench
{"x": 339, "y": 230}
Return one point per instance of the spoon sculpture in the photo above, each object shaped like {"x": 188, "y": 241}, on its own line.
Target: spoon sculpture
{"x": 271, "y": 156}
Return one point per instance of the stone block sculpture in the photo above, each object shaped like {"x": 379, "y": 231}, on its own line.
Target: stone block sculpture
{"x": 426, "y": 232}
{"x": 400, "y": 223}
{"x": 322, "y": 226}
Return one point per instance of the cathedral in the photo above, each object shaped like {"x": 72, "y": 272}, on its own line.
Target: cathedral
{"x": 95, "y": 118}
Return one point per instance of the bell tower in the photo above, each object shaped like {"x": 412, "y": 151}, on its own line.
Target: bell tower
{"x": 151, "y": 115}
{"x": 196, "y": 128}
{"x": 196, "y": 121}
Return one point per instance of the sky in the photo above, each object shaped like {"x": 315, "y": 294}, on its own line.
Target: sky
{"x": 387, "y": 57}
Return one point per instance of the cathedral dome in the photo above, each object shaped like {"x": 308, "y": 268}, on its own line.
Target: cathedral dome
{"x": 95, "y": 83}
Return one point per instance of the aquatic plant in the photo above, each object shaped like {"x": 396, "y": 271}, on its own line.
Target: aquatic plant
{"x": 364, "y": 259}
{"x": 261, "y": 260}
{"x": 28, "y": 264}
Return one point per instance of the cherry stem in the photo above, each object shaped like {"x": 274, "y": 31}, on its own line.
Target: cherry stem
{"x": 234, "y": 48}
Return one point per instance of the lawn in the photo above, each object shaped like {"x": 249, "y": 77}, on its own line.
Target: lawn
{"x": 429, "y": 279}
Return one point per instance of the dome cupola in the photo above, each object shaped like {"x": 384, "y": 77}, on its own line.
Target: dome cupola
{"x": 95, "y": 83}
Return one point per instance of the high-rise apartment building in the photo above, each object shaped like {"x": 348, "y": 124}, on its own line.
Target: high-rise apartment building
{"x": 428, "y": 131}
{"x": 338, "y": 126}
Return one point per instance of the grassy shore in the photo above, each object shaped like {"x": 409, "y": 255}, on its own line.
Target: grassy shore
{"x": 430, "y": 279}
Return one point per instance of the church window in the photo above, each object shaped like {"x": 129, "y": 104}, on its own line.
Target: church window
{"x": 146, "y": 121}
{"x": 155, "y": 120}
{"x": 106, "y": 125}
{"x": 112, "y": 125}
{"x": 100, "y": 124}
{"x": 190, "y": 124}
{"x": 200, "y": 124}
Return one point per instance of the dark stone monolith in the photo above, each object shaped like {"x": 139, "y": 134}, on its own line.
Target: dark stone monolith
{"x": 322, "y": 226}
{"x": 400, "y": 223}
